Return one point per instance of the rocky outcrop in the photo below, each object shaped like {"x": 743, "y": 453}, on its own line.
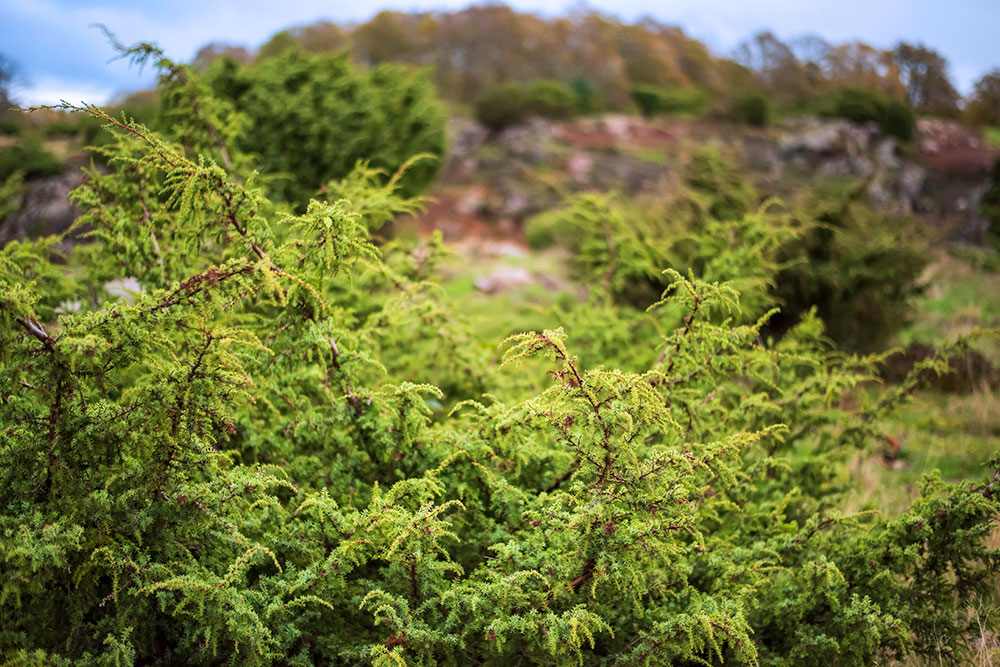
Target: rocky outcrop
{"x": 499, "y": 180}
{"x": 840, "y": 149}
{"x": 43, "y": 208}
{"x": 944, "y": 177}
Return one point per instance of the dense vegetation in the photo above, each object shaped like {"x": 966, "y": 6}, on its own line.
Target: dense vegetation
{"x": 335, "y": 114}
{"x": 856, "y": 267}
{"x": 288, "y": 448}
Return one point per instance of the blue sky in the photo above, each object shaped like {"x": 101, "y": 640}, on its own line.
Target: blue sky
{"x": 60, "y": 57}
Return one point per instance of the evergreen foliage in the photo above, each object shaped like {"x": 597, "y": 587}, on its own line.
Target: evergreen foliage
{"x": 244, "y": 462}
{"x": 310, "y": 117}
{"x": 587, "y": 96}
{"x": 10, "y": 194}
{"x": 551, "y": 99}
{"x": 502, "y": 107}
{"x": 858, "y": 268}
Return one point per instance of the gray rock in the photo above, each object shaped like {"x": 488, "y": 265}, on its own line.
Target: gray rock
{"x": 527, "y": 142}
{"x": 44, "y": 208}
{"x": 911, "y": 186}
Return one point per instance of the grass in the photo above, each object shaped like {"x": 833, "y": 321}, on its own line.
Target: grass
{"x": 956, "y": 435}
{"x": 992, "y": 136}
{"x": 958, "y": 298}
{"x": 495, "y": 316}
{"x": 654, "y": 154}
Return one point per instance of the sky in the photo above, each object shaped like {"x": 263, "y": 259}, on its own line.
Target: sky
{"x": 60, "y": 56}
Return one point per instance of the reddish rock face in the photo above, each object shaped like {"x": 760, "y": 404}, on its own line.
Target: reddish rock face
{"x": 949, "y": 146}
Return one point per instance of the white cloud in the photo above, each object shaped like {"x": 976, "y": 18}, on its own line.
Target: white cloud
{"x": 53, "y": 90}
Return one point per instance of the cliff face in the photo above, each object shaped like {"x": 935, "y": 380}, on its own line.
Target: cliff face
{"x": 494, "y": 183}
{"x": 42, "y": 208}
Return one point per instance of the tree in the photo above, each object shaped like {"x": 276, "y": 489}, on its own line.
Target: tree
{"x": 209, "y": 53}
{"x": 924, "y": 73}
{"x": 321, "y": 37}
{"x": 983, "y": 107}
{"x": 775, "y": 64}
{"x": 387, "y": 37}
{"x": 811, "y": 49}
{"x": 859, "y": 65}
{"x": 8, "y": 77}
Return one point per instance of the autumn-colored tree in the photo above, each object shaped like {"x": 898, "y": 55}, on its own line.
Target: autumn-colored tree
{"x": 924, "y": 73}
{"x": 321, "y": 37}
{"x": 860, "y": 65}
{"x": 984, "y": 104}
{"x": 477, "y": 49}
{"x": 387, "y": 37}
{"x": 211, "y": 52}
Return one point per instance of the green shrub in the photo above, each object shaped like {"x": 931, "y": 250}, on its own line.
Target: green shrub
{"x": 858, "y": 105}
{"x": 502, "y": 107}
{"x": 857, "y": 267}
{"x": 730, "y": 195}
{"x": 513, "y": 103}
{"x": 861, "y": 105}
{"x": 753, "y": 109}
{"x": 310, "y": 117}
{"x": 29, "y": 157}
{"x": 654, "y": 101}
{"x": 550, "y": 99}
{"x": 10, "y": 124}
{"x": 237, "y": 464}
{"x": 539, "y": 232}
{"x": 59, "y": 127}
{"x": 10, "y": 193}
{"x": 900, "y": 121}
{"x": 588, "y": 98}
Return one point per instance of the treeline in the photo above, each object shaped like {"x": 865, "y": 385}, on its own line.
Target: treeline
{"x": 605, "y": 61}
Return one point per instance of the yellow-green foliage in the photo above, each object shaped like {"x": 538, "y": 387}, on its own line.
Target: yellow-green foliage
{"x": 653, "y": 100}
{"x": 10, "y": 191}
{"x": 286, "y": 449}
{"x": 856, "y": 266}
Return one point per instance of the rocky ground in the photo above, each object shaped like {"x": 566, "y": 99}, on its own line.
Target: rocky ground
{"x": 492, "y": 184}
